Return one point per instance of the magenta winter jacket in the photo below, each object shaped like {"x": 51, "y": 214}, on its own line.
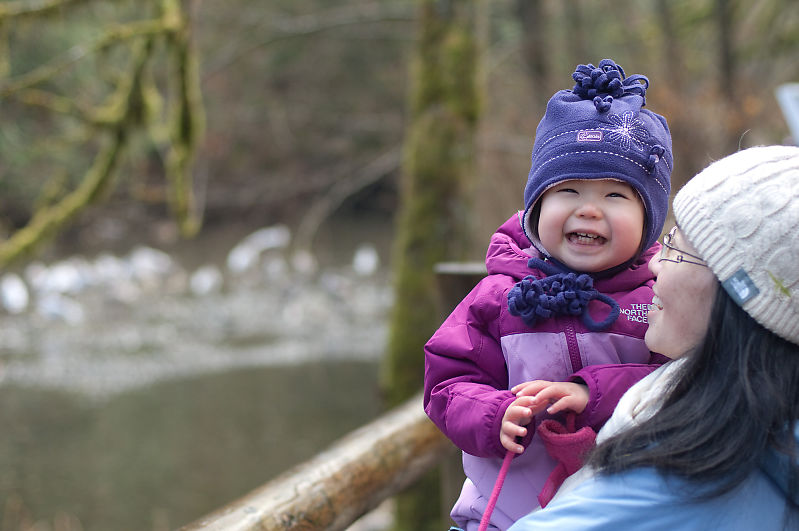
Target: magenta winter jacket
{"x": 481, "y": 351}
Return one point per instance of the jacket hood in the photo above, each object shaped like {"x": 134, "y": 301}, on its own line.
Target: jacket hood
{"x": 777, "y": 466}
{"x": 510, "y": 249}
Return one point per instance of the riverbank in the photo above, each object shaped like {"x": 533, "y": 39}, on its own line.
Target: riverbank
{"x": 105, "y": 323}
{"x": 146, "y": 400}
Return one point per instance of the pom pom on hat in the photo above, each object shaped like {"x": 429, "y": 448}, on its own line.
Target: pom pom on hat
{"x": 599, "y": 130}
{"x": 741, "y": 214}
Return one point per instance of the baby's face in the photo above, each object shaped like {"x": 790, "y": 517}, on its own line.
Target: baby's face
{"x": 591, "y": 225}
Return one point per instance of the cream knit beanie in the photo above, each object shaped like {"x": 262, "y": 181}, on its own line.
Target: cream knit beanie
{"x": 741, "y": 214}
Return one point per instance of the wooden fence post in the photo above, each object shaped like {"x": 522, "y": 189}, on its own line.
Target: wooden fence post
{"x": 454, "y": 280}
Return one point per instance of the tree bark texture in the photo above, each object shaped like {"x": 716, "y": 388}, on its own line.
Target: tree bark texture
{"x": 534, "y": 47}
{"x": 434, "y": 222}
{"x": 434, "y": 218}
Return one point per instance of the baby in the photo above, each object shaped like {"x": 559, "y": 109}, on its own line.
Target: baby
{"x": 567, "y": 289}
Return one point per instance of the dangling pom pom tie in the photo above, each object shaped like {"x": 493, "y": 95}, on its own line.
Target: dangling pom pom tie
{"x": 558, "y": 294}
{"x": 603, "y": 83}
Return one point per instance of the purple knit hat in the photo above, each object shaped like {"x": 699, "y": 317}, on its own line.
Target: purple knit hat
{"x": 599, "y": 130}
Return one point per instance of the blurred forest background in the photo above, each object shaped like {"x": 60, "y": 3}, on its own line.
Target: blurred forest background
{"x": 300, "y": 105}
{"x": 162, "y": 122}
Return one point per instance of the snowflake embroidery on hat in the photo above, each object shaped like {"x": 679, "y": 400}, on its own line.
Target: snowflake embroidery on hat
{"x": 627, "y": 130}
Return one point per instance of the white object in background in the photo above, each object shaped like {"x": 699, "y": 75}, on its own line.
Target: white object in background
{"x": 246, "y": 253}
{"x": 788, "y": 98}
{"x": 110, "y": 269}
{"x": 147, "y": 263}
{"x": 365, "y": 261}
{"x": 68, "y": 276}
{"x": 206, "y": 280}
{"x": 55, "y": 306}
{"x": 14, "y": 293}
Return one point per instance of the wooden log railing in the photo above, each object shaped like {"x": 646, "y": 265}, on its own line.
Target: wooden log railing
{"x": 344, "y": 482}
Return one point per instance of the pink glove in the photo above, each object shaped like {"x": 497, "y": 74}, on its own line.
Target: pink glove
{"x": 567, "y": 447}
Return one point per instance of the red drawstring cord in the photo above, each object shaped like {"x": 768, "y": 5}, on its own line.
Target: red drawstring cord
{"x": 492, "y": 501}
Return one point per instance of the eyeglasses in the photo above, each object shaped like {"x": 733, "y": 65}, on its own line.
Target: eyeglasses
{"x": 680, "y": 258}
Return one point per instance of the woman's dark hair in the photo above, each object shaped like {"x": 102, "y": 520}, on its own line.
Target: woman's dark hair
{"x": 736, "y": 394}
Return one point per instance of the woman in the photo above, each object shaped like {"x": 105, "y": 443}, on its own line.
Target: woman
{"x": 709, "y": 441}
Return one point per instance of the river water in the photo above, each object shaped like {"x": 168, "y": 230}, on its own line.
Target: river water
{"x": 147, "y": 401}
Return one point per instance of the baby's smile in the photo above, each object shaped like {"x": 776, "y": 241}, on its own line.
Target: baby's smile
{"x": 585, "y": 238}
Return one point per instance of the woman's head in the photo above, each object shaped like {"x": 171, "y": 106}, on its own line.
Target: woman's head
{"x": 736, "y": 225}
{"x": 741, "y": 215}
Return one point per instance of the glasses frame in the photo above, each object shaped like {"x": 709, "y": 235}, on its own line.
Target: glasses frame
{"x": 680, "y": 259}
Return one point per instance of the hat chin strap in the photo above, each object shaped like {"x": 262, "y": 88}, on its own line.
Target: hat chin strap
{"x": 524, "y": 219}
{"x": 558, "y": 293}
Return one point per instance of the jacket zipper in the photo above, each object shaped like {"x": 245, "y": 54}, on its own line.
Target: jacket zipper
{"x": 574, "y": 348}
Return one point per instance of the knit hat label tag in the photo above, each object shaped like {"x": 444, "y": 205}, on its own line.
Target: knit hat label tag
{"x": 592, "y": 135}
{"x": 740, "y": 287}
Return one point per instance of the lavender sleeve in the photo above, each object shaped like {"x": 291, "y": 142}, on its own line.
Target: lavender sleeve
{"x": 466, "y": 379}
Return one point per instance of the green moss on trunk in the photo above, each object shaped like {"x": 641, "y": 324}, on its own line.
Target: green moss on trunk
{"x": 434, "y": 223}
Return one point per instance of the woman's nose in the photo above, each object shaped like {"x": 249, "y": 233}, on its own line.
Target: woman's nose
{"x": 654, "y": 264}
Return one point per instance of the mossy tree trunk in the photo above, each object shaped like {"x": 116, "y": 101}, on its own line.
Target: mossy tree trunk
{"x": 534, "y": 47}
{"x": 434, "y": 222}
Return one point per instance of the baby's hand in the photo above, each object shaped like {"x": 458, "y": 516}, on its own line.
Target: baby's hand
{"x": 562, "y": 396}
{"x": 517, "y": 416}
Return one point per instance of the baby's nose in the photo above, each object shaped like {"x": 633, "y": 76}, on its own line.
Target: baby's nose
{"x": 589, "y": 210}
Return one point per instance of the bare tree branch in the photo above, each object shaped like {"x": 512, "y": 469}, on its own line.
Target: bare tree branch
{"x": 118, "y": 35}
{"x": 49, "y": 219}
{"x": 305, "y": 25}
{"x": 33, "y": 8}
{"x": 188, "y": 122}
{"x": 132, "y": 108}
{"x": 327, "y": 203}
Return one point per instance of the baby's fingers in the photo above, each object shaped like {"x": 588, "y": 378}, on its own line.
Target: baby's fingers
{"x": 519, "y": 413}
{"x": 560, "y": 405}
{"x": 530, "y": 388}
{"x": 508, "y": 437}
{"x": 568, "y": 402}
{"x": 551, "y": 393}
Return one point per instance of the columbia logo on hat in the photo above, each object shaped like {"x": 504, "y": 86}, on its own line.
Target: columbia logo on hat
{"x": 589, "y": 136}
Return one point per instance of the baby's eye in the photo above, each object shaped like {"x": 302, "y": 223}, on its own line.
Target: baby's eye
{"x": 617, "y": 194}
{"x": 570, "y": 190}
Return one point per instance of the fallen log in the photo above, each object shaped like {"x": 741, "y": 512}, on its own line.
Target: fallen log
{"x": 342, "y": 483}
